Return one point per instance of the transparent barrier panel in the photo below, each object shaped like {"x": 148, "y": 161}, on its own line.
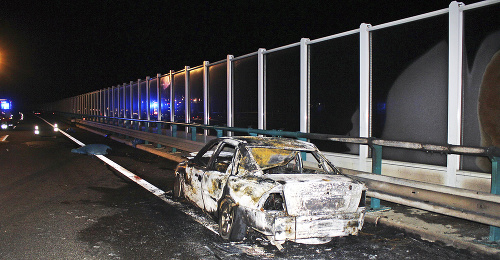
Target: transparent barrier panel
{"x": 116, "y": 101}
{"x": 217, "y": 96}
{"x": 165, "y": 98}
{"x": 135, "y": 101}
{"x": 196, "y": 95}
{"x": 153, "y": 99}
{"x": 334, "y": 91}
{"x": 245, "y": 93}
{"x": 122, "y": 101}
{"x": 102, "y": 103}
{"x": 143, "y": 100}
{"x": 410, "y": 86}
{"x": 108, "y": 102}
{"x": 481, "y": 94}
{"x": 283, "y": 90}
{"x": 179, "y": 96}
{"x": 127, "y": 102}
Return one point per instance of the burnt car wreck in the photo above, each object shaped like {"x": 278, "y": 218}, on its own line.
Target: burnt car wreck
{"x": 283, "y": 188}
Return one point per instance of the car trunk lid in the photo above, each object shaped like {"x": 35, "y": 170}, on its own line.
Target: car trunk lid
{"x": 319, "y": 194}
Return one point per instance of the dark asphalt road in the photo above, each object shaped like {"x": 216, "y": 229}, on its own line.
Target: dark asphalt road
{"x": 55, "y": 204}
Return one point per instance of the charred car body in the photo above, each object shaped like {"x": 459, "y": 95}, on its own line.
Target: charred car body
{"x": 283, "y": 188}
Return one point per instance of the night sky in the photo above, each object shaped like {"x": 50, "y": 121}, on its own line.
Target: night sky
{"x": 50, "y": 50}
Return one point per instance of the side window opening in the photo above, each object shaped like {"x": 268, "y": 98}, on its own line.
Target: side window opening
{"x": 204, "y": 159}
{"x": 224, "y": 158}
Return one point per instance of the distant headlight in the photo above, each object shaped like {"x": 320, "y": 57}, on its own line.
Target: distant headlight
{"x": 37, "y": 132}
{"x": 56, "y": 128}
{"x": 274, "y": 202}
{"x": 4, "y": 126}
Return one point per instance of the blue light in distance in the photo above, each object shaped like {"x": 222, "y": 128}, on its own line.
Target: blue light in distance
{"x": 5, "y": 105}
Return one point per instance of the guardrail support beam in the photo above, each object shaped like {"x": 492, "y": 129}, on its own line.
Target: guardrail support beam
{"x": 495, "y": 189}
{"x": 219, "y": 133}
{"x": 159, "y": 129}
{"x": 193, "y": 133}
{"x": 376, "y": 169}
{"x": 174, "y": 134}
{"x": 127, "y": 126}
{"x": 146, "y": 129}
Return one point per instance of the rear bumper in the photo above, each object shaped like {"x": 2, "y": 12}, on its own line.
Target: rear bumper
{"x": 307, "y": 229}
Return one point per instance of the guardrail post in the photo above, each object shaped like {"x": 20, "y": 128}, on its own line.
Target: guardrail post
{"x": 127, "y": 126}
{"x": 158, "y": 127}
{"x": 122, "y": 124}
{"x": 193, "y": 133}
{"x": 495, "y": 189}
{"x": 146, "y": 129}
{"x": 376, "y": 169}
{"x": 219, "y": 133}
{"x": 174, "y": 134}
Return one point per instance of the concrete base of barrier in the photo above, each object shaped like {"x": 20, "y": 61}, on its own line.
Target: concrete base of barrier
{"x": 435, "y": 227}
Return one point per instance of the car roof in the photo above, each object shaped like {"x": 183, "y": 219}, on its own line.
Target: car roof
{"x": 271, "y": 142}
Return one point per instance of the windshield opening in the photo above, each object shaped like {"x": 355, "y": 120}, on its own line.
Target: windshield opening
{"x": 283, "y": 161}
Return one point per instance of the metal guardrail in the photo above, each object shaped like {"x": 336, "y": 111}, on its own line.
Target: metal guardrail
{"x": 182, "y": 144}
{"x": 471, "y": 205}
{"x": 476, "y": 206}
{"x": 489, "y": 152}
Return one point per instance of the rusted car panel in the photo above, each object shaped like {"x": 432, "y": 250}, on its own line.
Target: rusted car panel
{"x": 283, "y": 188}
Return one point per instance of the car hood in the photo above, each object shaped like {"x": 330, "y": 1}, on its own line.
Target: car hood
{"x": 319, "y": 194}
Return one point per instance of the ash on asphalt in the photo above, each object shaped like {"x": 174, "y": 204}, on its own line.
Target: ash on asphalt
{"x": 146, "y": 223}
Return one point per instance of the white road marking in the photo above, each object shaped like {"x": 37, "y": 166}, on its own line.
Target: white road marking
{"x": 4, "y": 138}
{"x": 200, "y": 218}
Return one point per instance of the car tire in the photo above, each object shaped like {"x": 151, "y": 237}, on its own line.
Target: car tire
{"x": 232, "y": 226}
{"x": 178, "y": 192}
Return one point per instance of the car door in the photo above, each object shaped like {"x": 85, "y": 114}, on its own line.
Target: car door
{"x": 216, "y": 176}
{"x": 194, "y": 175}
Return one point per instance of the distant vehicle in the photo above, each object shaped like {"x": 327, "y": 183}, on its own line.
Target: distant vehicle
{"x": 283, "y": 188}
{"x": 7, "y": 118}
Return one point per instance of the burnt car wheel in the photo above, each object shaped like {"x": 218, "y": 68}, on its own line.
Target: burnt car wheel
{"x": 178, "y": 192}
{"x": 231, "y": 224}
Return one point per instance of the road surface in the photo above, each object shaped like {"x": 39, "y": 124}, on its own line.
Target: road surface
{"x": 55, "y": 204}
